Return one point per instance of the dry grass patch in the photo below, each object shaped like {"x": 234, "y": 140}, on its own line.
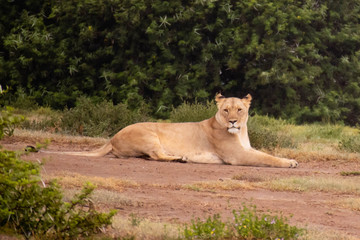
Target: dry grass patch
{"x": 74, "y": 180}
{"x": 323, "y": 154}
{"x": 249, "y": 178}
{"x": 314, "y": 233}
{"x": 40, "y": 136}
{"x": 213, "y": 186}
{"x": 103, "y": 197}
{"x": 350, "y": 203}
{"x": 325, "y": 184}
{"x": 144, "y": 228}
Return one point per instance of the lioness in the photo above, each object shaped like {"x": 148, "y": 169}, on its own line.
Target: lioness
{"x": 222, "y": 139}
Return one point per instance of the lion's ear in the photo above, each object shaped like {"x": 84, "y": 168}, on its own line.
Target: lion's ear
{"x": 247, "y": 100}
{"x": 219, "y": 99}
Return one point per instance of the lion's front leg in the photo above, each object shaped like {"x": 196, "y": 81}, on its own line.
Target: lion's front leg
{"x": 254, "y": 157}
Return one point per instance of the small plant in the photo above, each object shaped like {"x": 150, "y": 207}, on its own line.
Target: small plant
{"x": 247, "y": 225}
{"x": 38, "y": 146}
{"x": 8, "y": 122}
{"x": 212, "y": 228}
{"x": 195, "y": 112}
{"x": 39, "y": 211}
{"x": 134, "y": 220}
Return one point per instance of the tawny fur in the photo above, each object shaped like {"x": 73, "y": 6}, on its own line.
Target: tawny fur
{"x": 222, "y": 139}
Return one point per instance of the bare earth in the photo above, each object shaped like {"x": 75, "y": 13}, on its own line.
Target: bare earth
{"x": 159, "y": 196}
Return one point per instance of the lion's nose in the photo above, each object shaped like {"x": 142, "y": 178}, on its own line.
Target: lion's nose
{"x": 233, "y": 121}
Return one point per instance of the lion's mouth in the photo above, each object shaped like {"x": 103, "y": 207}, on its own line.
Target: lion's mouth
{"x": 233, "y": 129}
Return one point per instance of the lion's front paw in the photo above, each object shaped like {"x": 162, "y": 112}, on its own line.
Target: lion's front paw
{"x": 293, "y": 163}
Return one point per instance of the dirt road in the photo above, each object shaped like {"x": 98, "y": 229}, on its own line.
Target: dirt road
{"x": 167, "y": 190}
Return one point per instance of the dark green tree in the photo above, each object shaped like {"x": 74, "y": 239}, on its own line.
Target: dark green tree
{"x": 299, "y": 59}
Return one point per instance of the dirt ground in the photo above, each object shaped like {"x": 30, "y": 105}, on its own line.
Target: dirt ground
{"x": 159, "y": 196}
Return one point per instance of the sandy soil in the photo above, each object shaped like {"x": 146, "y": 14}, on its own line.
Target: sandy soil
{"x": 159, "y": 196}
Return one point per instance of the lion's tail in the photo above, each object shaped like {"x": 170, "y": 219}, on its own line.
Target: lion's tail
{"x": 95, "y": 153}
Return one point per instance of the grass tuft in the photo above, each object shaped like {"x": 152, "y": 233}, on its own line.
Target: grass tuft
{"x": 74, "y": 180}
{"x": 350, "y": 203}
{"x": 324, "y": 184}
{"x": 355, "y": 173}
{"x": 212, "y": 186}
{"x": 249, "y": 178}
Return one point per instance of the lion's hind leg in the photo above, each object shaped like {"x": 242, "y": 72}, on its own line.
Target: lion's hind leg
{"x": 162, "y": 156}
{"x": 154, "y": 149}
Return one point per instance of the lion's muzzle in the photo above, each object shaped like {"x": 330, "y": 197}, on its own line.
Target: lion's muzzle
{"x": 233, "y": 128}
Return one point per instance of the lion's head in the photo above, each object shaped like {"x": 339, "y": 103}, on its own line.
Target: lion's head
{"x": 232, "y": 112}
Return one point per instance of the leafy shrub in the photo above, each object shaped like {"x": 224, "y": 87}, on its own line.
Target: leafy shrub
{"x": 324, "y": 131}
{"x": 100, "y": 119}
{"x": 212, "y": 228}
{"x": 195, "y": 112}
{"x": 23, "y": 101}
{"x": 8, "y": 121}
{"x": 87, "y": 118}
{"x": 44, "y": 119}
{"x": 32, "y": 210}
{"x": 247, "y": 224}
{"x": 350, "y": 143}
{"x": 269, "y": 133}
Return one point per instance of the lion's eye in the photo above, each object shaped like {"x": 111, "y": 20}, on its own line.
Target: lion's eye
{"x": 225, "y": 110}
{"x": 239, "y": 110}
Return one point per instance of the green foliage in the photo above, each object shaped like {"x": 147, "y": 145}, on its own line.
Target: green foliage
{"x": 89, "y": 117}
{"x": 247, "y": 224}
{"x": 23, "y": 101}
{"x": 33, "y": 210}
{"x": 195, "y": 112}
{"x": 212, "y": 228}
{"x": 43, "y": 119}
{"x": 100, "y": 119}
{"x": 269, "y": 133}
{"x": 134, "y": 220}
{"x": 325, "y": 131}
{"x": 350, "y": 143}
{"x": 299, "y": 59}
{"x": 8, "y": 122}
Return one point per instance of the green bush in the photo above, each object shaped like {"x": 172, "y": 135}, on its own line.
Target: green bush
{"x": 33, "y": 210}
{"x": 269, "y": 133}
{"x": 43, "y": 119}
{"x": 8, "y": 122}
{"x": 350, "y": 143}
{"x": 23, "y": 101}
{"x": 247, "y": 224}
{"x": 323, "y": 131}
{"x": 212, "y": 228}
{"x": 195, "y": 112}
{"x": 88, "y": 117}
{"x": 100, "y": 119}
